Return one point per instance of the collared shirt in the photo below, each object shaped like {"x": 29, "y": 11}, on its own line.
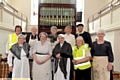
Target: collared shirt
{"x": 70, "y": 39}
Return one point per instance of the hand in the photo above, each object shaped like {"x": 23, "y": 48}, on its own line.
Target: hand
{"x": 109, "y": 66}
{"x": 6, "y": 54}
{"x": 75, "y": 62}
{"x": 42, "y": 62}
{"x": 58, "y": 56}
{"x": 10, "y": 68}
{"x": 37, "y": 61}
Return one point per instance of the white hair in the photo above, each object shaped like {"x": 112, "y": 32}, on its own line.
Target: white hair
{"x": 43, "y": 33}
{"x": 101, "y": 31}
{"x": 21, "y": 35}
{"x": 53, "y": 27}
{"x": 33, "y": 28}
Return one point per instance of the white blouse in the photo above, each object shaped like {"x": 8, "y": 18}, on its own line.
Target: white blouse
{"x": 70, "y": 39}
{"x": 45, "y": 48}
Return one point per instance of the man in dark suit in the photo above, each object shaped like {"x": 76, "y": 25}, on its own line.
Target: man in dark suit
{"x": 86, "y": 36}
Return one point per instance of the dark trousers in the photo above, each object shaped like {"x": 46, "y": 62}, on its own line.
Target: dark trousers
{"x": 111, "y": 76}
{"x": 10, "y": 75}
{"x": 83, "y": 74}
{"x": 71, "y": 71}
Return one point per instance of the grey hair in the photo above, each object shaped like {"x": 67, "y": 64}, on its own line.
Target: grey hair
{"x": 21, "y": 35}
{"x": 101, "y": 31}
{"x": 53, "y": 27}
{"x": 43, "y": 33}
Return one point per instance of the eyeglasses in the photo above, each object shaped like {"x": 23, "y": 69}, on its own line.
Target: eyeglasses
{"x": 60, "y": 38}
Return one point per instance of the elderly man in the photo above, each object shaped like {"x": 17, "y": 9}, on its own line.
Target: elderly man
{"x": 86, "y": 36}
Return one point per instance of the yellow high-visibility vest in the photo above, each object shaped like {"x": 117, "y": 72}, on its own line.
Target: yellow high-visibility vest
{"x": 12, "y": 39}
{"x": 79, "y": 54}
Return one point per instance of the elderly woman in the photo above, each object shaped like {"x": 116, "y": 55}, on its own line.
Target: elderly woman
{"x": 53, "y": 36}
{"x": 62, "y": 53}
{"x": 32, "y": 38}
{"x": 102, "y": 57}
{"x": 20, "y": 51}
{"x": 81, "y": 60}
{"x": 53, "y": 39}
{"x": 41, "y": 54}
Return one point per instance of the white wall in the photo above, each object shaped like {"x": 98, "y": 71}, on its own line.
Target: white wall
{"x": 30, "y": 26}
{"x": 117, "y": 50}
{"x": 9, "y": 1}
{"x": 24, "y": 6}
{"x": 91, "y": 7}
{"x": 3, "y": 40}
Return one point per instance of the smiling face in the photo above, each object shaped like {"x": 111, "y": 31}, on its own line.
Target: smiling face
{"x": 33, "y": 30}
{"x": 21, "y": 40}
{"x": 18, "y": 30}
{"x": 61, "y": 39}
{"x": 79, "y": 41}
{"x": 43, "y": 37}
{"x": 80, "y": 28}
{"x": 100, "y": 36}
{"x": 53, "y": 31}
{"x": 68, "y": 30}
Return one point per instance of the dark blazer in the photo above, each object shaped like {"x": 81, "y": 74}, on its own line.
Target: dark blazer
{"x": 65, "y": 52}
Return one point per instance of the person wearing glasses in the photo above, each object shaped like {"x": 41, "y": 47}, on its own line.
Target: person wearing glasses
{"x": 63, "y": 56}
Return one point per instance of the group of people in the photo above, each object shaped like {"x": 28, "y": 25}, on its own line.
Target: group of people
{"x": 71, "y": 54}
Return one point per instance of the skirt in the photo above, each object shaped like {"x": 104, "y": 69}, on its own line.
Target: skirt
{"x": 59, "y": 75}
{"x": 21, "y": 69}
{"x": 43, "y": 71}
{"x": 100, "y": 71}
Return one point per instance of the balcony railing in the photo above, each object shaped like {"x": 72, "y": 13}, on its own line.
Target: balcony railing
{"x": 11, "y": 16}
{"x": 98, "y": 16}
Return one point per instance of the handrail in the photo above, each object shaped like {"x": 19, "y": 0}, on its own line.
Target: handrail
{"x": 104, "y": 10}
{"x": 8, "y": 7}
{"x": 106, "y": 6}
